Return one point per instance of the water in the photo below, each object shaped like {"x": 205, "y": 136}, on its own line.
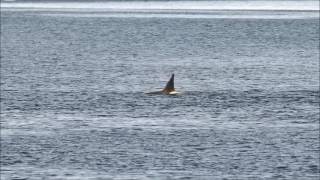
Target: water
{"x": 73, "y": 103}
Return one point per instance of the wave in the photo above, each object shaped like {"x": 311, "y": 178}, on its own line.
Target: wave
{"x": 287, "y": 5}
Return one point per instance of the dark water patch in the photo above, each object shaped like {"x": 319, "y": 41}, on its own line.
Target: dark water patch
{"x": 97, "y": 100}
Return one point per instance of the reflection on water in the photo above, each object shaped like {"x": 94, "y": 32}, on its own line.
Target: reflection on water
{"x": 195, "y": 15}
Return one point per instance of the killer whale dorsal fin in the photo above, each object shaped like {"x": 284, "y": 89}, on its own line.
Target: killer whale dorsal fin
{"x": 168, "y": 90}
{"x": 170, "y": 85}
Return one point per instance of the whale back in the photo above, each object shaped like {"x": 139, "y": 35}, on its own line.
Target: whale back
{"x": 170, "y": 85}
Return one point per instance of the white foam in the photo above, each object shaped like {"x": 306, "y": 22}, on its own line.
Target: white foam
{"x": 291, "y": 5}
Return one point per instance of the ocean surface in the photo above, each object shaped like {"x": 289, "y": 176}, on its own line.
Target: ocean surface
{"x": 74, "y": 77}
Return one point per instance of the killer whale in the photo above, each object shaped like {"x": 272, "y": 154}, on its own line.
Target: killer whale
{"x": 169, "y": 88}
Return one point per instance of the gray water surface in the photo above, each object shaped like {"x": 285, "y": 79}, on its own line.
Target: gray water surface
{"x": 73, "y": 103}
